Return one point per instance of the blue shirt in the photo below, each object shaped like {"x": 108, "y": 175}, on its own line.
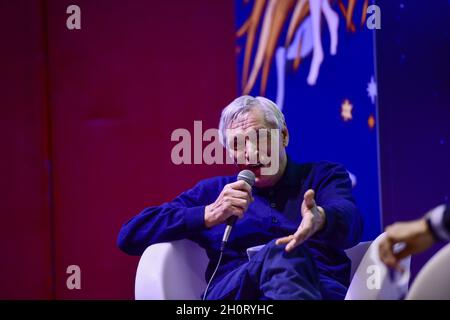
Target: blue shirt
{"x": 274, "y": 213}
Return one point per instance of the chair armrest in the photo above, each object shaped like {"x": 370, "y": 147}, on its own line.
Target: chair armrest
{"x": 356, "y": 254}
{"x": 171, "y": 270}
{"x": 372, "y": 280}
{"x": 433, "y": 280}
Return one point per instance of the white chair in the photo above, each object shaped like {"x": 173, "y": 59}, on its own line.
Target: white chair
{"x": 175, "y": 271}
{"x": 433, "y": 280}
{"x": 171, "y": 271}
{"x": 372, "y": 280}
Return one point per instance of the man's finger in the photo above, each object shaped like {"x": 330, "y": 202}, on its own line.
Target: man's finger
{"x": 241, "y": 185}
{"x": 238, "y": 202}
{"x": 296, "y": 241}
{"x": 406, "y": 251}
{"x": 299, "y": 237}
{"x": 284, "y": 240}
{"x": 309, "y": 199}
{"x": 386, "y": 254}
{"x": 291, "y": 245}
{"x": 240, "y": 194}
{"x": 399, "y": 256}
{"x": 237, "y": 211}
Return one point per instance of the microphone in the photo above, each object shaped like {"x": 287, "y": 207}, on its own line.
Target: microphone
{"x": 249, "y": 177}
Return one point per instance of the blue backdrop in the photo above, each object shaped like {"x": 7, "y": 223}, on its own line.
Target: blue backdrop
{"x": 332, "y": 116}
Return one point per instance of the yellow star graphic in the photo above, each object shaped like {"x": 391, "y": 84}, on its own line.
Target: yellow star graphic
{"x": 371, "y": 121}
{"x": 346, "y": 110}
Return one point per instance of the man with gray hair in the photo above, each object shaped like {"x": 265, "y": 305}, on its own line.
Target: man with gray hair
{"x": 304, "y": 215}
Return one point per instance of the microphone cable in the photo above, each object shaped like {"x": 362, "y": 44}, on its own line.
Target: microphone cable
{"x": 214, "y": 273}
{"x": 249, "y": 177}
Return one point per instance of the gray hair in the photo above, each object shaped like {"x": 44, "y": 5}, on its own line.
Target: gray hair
{"x": 242, "y": 105}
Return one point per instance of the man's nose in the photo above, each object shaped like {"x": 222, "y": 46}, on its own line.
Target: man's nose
{"x": 251, "y": 153}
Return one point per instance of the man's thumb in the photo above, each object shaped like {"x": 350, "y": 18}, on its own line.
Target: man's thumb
{"x": 309, "y": 199}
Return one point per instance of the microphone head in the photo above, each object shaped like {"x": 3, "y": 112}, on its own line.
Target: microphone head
{"x": 247, "y": 176}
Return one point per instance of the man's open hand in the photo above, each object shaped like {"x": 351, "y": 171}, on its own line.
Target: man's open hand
{"x": 313, "y": 220}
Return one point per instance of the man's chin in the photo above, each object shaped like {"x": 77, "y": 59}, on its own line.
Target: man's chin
{"x": 263, "y": 181}
{"x": 255, "y": 169}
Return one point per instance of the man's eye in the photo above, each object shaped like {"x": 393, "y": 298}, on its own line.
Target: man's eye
{"x": 234, "y": 143}
{"x": 238, "y": 143}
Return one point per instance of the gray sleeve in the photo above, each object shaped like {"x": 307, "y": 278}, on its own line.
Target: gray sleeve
{"x": 436, "y": 218}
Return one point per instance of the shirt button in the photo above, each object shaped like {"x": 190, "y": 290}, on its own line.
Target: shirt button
{"x": 274, "y": 220}
{"x": 273, "y": 205}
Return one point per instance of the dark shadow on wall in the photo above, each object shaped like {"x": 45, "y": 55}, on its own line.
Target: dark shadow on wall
{"x": 413, "y": 52}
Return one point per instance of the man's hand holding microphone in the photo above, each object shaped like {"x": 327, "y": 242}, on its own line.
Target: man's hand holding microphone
{"x": 233, "y": 201}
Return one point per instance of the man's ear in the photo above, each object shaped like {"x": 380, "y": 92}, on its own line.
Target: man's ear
{"x": 285, "y": 136}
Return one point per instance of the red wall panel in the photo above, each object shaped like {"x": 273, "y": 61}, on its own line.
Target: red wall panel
{"x": 25, "y": 228}
{"x": 135, "y": 71}
{"x": 86, "y": 122}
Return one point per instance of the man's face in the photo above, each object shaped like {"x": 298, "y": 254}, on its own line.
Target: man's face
{"x": 257, "y": 146}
